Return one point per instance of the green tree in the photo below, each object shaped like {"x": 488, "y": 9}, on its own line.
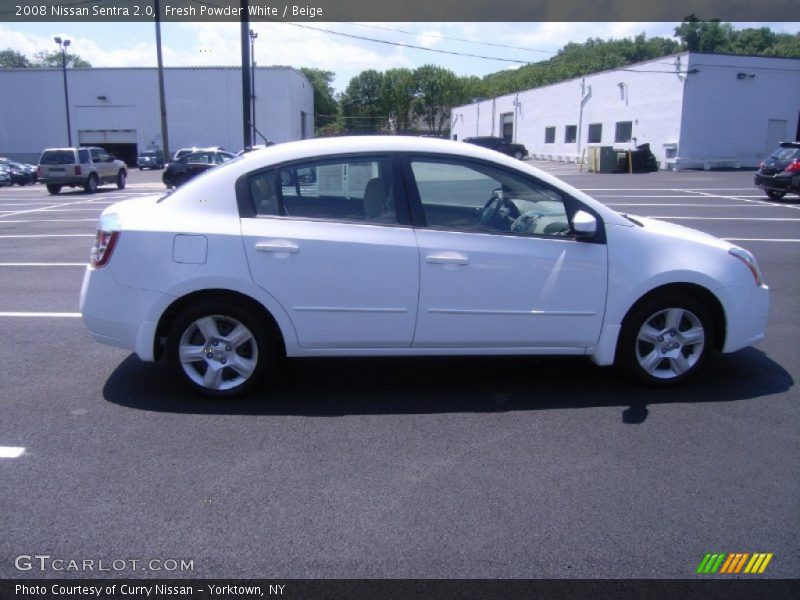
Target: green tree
{"x": 326, "y": 108}
{"x": 437, "y": 91}
{"x": 397, "y": 98}
{"x": 53, "y": 59}
{"x": 11, "y": 59}
{"x": 362, "y": 107}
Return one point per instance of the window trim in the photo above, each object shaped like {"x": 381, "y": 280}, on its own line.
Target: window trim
{"x": 571, "y": 204}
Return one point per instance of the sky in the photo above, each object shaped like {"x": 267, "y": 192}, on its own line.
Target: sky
{"x": 313, "y": 45}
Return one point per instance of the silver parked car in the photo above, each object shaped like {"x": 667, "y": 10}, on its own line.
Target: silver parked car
{"x": 80, "y": 167}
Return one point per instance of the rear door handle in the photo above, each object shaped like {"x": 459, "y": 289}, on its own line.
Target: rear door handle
{"x": 447, "y": 258}
{"x": 277, "y": 246}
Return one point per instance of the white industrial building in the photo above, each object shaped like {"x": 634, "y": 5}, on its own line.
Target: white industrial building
{"x": 695, "y": 110}
{"x": 118, "y": 108}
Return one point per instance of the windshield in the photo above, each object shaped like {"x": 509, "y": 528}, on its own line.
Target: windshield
{"x": 785, "y": 154}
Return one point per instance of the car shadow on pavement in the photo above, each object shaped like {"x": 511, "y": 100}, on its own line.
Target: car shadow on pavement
{"x": 345, "y": 386}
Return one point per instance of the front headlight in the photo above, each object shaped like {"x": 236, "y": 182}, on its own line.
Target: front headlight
{"x": 750, "y": 262}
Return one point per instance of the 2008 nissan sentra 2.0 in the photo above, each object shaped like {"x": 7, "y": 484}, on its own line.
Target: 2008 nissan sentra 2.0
{"x": 392, "y": 246}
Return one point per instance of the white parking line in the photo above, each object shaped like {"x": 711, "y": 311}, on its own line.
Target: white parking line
{"x": 667, "y": 217}
{"x": 763, "y": 202}
{"x": 55, "y": 315}
{"x": 49, "y": 221}
{"x": 22, "y": 212}
{"x": 48, "y": 235}
{"x": 787, "y": 240}
{"x": 706, "y": 205}
{"x": 11, "y": 451}
{"x": 749, "y": 189}
{"x": 39, "y": 264}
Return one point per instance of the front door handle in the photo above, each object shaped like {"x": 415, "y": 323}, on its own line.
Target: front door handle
{"x": 277, "y": 246}
{"x": 447, "y": 258}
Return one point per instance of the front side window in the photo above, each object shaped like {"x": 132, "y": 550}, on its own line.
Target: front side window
{"x": 482, "y": 198}
{"x": 339, "y": 190}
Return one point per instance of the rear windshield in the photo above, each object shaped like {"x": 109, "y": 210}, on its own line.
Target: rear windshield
{"x": 57, "y": 157}
{"x": 786, "y": 153}
{"x": 148, "y": 153}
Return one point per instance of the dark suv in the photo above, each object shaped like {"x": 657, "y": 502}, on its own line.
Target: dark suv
{"x": 500, "y": 145}
{"x": 779, "y": 174}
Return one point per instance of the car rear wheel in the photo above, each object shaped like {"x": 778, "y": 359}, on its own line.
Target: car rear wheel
{"x": 518, "y": 154}
{"x": 53, "y": 189}
{"x": 776, "y": 194}
{"x": 121, "y": 180}
{"x": 91, "y": 184}
{"x": 221, "y": 349}
{"x": 666, "y": 340}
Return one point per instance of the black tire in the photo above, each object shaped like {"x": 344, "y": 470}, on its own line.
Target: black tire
{"x": 91, "y": 184}
{"x": 670, "y": 359}
{"x": 121, "y": 177}
{"x": 53, "y": 189}
{"x": 141, "y": 168}
{"x": 226, "y": 315}
{"x": 518, "y": 154}
{"x": 775, "y": 194}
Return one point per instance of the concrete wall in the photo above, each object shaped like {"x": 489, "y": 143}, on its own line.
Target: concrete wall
{"x": 728, "y": 104}
{"x": 204, "y": 107}
{"x": 690, "y": 120}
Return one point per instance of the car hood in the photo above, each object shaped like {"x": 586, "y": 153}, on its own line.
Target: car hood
{"x": 679, "y": 232}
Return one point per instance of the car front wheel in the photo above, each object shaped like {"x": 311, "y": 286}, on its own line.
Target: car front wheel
{"x": 776, "y": 194}
{"x": 666, "y": 340}
{"x": 518, "y": 154}
{"x": 221, "y": 349}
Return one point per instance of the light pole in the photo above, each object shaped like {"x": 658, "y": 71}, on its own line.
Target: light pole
{"x": 253, "y": 36}
{"x": 63, "y": 45}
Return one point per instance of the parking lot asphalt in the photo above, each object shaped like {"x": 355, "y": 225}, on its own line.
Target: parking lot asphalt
{"x": 429, "y": 468}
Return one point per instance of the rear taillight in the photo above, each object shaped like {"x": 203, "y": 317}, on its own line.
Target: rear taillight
{"x": 793, "y": 167}
{"x": 39, "y": 171}
{"x": 105, "y": 240}
{"x": 78, "y": 170}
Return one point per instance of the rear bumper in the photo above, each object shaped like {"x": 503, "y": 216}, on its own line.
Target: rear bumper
{"x": 74, "y": 180}
{"x": 121, "y": 316}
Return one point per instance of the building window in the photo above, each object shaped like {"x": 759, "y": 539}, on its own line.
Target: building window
{"x": 623, "y": 132}
{"x": 507, "y": 119}
{"x": 549, "y": 135}
{"x": 570, "y": 134}
{"x": 595, "y": 133}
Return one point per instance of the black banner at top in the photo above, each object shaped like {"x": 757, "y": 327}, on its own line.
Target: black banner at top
{"x": 393, "y": 10}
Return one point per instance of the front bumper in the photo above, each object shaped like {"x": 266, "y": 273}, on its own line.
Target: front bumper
{"x": 783, "y": 183}
{"x": 747, "y": 314}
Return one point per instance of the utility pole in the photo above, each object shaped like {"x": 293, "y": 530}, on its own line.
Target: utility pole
{"x": 164, "y": 132}
{"x": 246, "y": 91}
{"x": 63, "y": 45}
{"x": 253, "y": 36}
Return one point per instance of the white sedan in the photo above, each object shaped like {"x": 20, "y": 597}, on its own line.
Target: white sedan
{"x": 393, "y": 246}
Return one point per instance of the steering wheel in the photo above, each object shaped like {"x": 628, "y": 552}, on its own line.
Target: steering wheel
{"x": 526, "y": 223}
{"x": 498, "y": 212}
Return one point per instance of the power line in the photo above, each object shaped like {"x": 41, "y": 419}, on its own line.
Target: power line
{"x": 453, "y": 39}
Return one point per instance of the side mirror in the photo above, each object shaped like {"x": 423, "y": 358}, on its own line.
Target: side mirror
{"x": 584, "y": 225}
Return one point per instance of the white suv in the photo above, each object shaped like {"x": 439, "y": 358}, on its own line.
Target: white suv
{"x": 80, "y": 167}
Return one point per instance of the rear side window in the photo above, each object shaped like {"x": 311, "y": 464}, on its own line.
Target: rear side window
{"x": 57, "y": 157}
{"x": 83, "y": 157}
{"x": 339, "y": 190}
